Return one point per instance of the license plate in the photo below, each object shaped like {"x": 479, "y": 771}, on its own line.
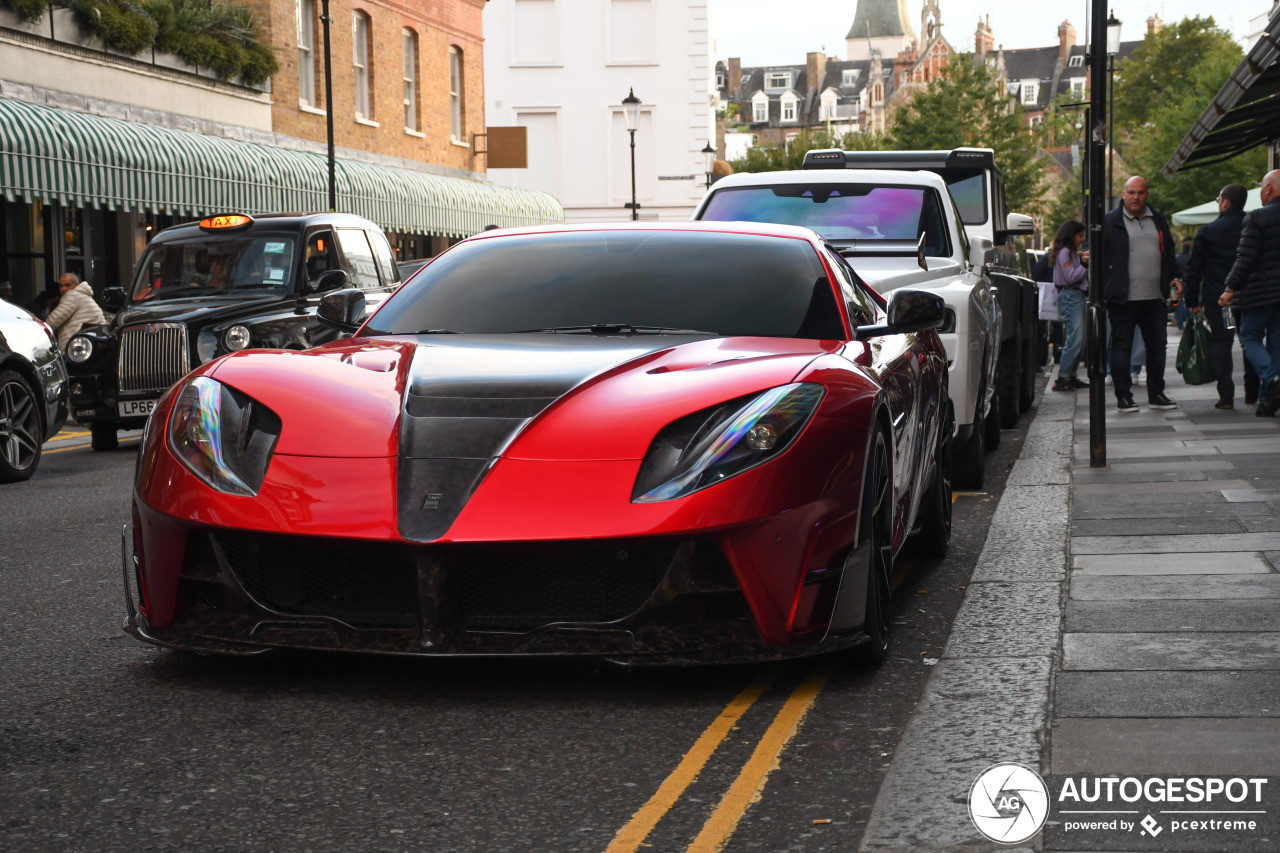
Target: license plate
{"x": 136, "y": 408}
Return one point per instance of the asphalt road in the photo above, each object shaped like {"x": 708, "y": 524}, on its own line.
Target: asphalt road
{"x": 110, "y": 744}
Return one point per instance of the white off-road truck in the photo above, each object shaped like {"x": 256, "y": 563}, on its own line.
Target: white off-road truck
{"x": 896, "y": 229}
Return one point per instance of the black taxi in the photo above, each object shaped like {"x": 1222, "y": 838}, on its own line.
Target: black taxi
{"x": 224, "y": 284}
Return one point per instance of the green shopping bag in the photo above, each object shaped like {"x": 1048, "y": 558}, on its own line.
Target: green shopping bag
{"x": 1193, "y": 353}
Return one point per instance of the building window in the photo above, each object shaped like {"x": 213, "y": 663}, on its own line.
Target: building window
{"x": 720, "y": 81}
{"x": 455, "y": 94}
{"x": 828, "y": 109}
{"x": 1034, "y": 121}
{"x": 777, "y": 81}
{"x": 849, "y": 77}
{"x": 410, "y": 79}
{"x": 1029, "y": 93}
{"x": 360, "y": 57}
{"x": 788, "y": 110}
{"x": 746, "y": 78}
{"x": 1077, "y": 88}
{"x": 760, "y": 111}
{"x": 1076, "y": 61}
{"x": 306, "y": 12}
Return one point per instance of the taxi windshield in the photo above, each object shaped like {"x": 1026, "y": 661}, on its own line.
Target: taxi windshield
{"x": 208, "y": 265}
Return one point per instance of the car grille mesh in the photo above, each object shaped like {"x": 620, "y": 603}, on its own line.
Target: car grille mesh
{"x": 525, "y": 587}
{"x": 153, "y": 357}
{"x": 361, "y": 584}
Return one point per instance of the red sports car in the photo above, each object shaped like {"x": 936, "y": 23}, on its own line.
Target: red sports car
{"x": 656, "y": 443}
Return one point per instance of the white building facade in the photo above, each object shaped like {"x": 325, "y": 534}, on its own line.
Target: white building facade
{"x": 561, "y": 68}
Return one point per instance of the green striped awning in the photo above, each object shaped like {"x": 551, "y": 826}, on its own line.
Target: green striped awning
{"x": 91, "y": 161}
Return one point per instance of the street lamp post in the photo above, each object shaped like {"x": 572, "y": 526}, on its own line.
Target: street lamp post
{"x": 326, "y": 20}
{"x": 1113, "y": 50}
{"x": 708, "y": 160}
{"x": 1095, "y": 317}
{"x": 631, "y": 114}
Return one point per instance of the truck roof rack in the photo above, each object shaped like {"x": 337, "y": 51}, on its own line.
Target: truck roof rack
{"x": 956, "y": 158}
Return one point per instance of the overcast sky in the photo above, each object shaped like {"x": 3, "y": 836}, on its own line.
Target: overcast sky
{"x": 769, "y": 32}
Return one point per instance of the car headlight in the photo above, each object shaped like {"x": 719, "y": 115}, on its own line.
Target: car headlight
{"x": 222, "y": 436}
{"x": 236, "y": 338}
{"x": 712, "y": 445}
{"x": 79, "y": 349}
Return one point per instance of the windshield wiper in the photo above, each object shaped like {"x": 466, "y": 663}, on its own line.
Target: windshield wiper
{"x": 435, "y": 332}
{"x": 616, "y": 329}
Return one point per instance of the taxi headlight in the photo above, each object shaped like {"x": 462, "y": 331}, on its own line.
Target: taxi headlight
{"x": 236, "y": 338}
{"x": 224, "y": 437}
{"x": 79, "y": 349}
{"x": 712, "y": 445}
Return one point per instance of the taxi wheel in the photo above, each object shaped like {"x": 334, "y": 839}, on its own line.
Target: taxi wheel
{"x": 104, "y": 437}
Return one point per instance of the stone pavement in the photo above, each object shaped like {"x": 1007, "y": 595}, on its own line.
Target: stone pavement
{"x": 1121, "y": 622}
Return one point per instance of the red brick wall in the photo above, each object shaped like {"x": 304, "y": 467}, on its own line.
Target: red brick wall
{"x": 438, "y": 23}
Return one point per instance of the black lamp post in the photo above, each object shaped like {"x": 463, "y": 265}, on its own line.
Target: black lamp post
{"x": 1095, "y": 316}
{"x": 325, "y": 19}
{"x": 1113, "y": 50}
{"x": 631, "y": 114}
{"x": 708, "y": 160}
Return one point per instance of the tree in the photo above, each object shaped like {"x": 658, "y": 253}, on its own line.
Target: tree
{"x": 966, "y": 108}
{"x": 776, "y": 158}
{"x": 1160, "y": 92}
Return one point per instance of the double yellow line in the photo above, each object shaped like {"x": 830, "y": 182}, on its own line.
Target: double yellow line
{"x": 749, "y": 785}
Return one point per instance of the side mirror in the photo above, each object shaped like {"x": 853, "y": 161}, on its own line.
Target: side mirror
{"x": 909, "y": 311}
{"x": 114, "y": 298}
{"x": 331, "y": 280}
{"x": 1020, "y": 223}
{"x": 342, "y": 308}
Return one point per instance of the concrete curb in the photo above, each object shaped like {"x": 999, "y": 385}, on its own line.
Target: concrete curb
{"x": 987, "y": 700}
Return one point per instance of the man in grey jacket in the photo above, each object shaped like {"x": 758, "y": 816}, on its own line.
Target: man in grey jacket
{"x": 1253, "y": 285}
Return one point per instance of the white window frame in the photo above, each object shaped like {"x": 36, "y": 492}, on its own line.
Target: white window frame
{"x": 759, "y": 109}
{"x": 305, "y": 10}
{"x": 1076, "y": 61}
{"x": 788, "y": 109}
{"x": 849, "y": 77}
{"x": 827, "y": 110}
{"x": 1030, "y": 91}
{"x": 1077, "y": 88}
{"x": 409, "y": 72}
{"x": 720, "y": 79}
{"x": 360, "y": 61}
{"x": 455, "y": 95}
{"x": 1033, "y": 121}
{"x": 777, "y": 80}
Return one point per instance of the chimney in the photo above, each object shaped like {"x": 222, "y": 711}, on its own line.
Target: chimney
{"x": 815, "y": 69}
{"x": 1066, "y": 40}
{"x": 735, "y": 78}
{"x": 1154, "y": 24}
{"x": 983, "y": 41}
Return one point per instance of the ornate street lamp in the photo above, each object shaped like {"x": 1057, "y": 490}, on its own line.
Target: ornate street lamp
{"x": 631, "y": 114}
{"x": 708, "y": 160}
{"x": 1113, "y": 50}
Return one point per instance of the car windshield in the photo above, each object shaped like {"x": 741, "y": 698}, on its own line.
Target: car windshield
{"x": 620, "y": 281}
{"x": 242, "y": 263}
{"x": 843, "y": 213}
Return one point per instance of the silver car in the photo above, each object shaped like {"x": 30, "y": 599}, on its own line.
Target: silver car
{"x": 33, "y": 391}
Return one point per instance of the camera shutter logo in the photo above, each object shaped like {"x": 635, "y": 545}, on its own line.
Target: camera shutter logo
{"x": 1009, "y": 803}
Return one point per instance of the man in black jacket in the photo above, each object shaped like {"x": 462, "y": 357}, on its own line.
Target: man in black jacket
{"x": 1139, "y": 275}
{"x": 1253, "y": 285}
{"x": 1212, "y": 256}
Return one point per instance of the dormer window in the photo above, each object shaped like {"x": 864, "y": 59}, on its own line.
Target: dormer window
{"x": 849, "y": 77}
{"x": 1030, "y": 91}
{"x": 1077, "y": 88}
{"x": 1076, "y": 61}
{"x": 777, "y": 80}
{"x": 827, "y": 109}
{"x": 720, "y": 79}
{"x": 788, "y": 109}
{"x": 760, "y": 107}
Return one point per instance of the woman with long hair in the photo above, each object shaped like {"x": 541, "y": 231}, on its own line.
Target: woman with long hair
{"x": 1072, "y": 280}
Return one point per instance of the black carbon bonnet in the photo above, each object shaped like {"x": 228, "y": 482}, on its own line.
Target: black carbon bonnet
{"x": 470, "y": 396}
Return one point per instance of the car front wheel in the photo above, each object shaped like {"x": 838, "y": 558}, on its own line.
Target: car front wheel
{"x": 20, "y": 433}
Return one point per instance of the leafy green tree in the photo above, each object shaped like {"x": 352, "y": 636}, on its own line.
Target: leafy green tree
{"x": 776, "y": 158}
{"x": 1160, "y": 91}
{"x": 965, "y": 108}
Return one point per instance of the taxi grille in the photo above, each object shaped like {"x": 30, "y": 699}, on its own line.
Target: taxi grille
{"x": 153, "y": 357}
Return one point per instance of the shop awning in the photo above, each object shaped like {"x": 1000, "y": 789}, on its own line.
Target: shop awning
{"x": 91, "y": 161}
{"x": 1244, "y": 114}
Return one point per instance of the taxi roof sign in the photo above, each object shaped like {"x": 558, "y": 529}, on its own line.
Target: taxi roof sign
{"x": 225, "y": 221}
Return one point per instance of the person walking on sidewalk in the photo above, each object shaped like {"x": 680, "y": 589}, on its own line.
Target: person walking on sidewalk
{"x": 1138, "y": 276}
{"x": 1212, "y": 256}
{"x": 1253, "y": 285}
{"x": 1071, "y": 279}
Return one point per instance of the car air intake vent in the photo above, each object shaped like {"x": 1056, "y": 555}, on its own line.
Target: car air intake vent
{"x": 153, "y": 357}
{"x": 364, "y": 585}
{"x": 528, "y": 586}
